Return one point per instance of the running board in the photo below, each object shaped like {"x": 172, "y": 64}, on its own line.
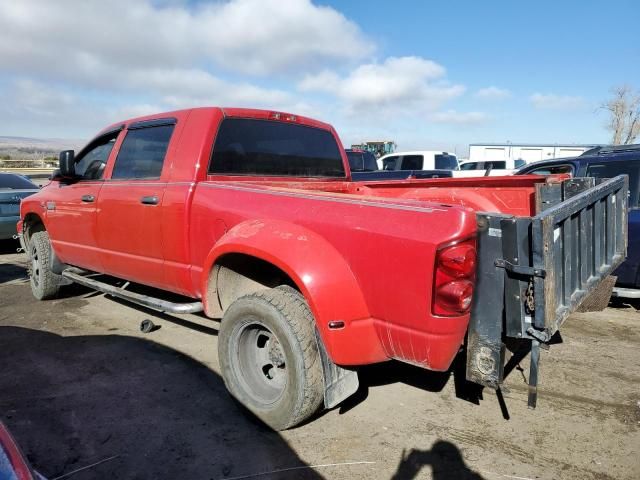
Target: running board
{"x": 76, "y": 276}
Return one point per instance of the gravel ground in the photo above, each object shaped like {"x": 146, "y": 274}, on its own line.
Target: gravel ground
{"x": 79, "y": 383}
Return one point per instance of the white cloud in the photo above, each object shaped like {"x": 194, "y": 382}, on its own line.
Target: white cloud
{"x": 38, "y": 109}
{"x": 166, "y": 54}
{"x": 458, "y": 118}
{"x": 182, "y": 88}
{"x": 325, "y": 81}
{"x": 409, "y": 83}
{"x": 556, "y": 102}
{"x": 78, "y": 41}
{"x": 493, "y": 93}
{"x": 70, "y": 67}
{"x": 40, "y": 99}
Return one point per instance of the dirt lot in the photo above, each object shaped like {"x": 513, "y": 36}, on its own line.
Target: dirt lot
{"x": 79, "y": 383}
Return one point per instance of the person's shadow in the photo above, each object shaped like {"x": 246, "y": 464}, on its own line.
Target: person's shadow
{"x": 444, "y": 458}
{"x": 76, "y": 400}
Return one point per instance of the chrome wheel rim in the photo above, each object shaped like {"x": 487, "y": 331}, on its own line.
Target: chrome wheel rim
{"x": 260, "y": 362}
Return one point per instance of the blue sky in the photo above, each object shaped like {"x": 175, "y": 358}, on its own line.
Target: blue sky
{"x": 425, "y": 74}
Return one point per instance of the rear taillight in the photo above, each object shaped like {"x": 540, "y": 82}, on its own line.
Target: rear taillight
{"x": 454, "y": 279}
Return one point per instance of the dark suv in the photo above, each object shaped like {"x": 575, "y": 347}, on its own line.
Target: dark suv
{"x": 607, "y": 162}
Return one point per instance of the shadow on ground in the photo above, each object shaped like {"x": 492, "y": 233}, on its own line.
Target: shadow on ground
{"x": 11, "y": 270}
{"x": 623, "y": 303}
{"x": 430, "y": 381}
{"x": 9, "y": 246}
{"x": 445, "y": 462}
{"x": 86, "y": 398}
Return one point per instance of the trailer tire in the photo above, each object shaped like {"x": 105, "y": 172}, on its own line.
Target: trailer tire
{"x": 44, "y": 283}
{"x": 269, "y": 356}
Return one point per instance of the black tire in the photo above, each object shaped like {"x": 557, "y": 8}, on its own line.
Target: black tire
{"x": 44, "y": 283}
{"x": 269, "y": 356}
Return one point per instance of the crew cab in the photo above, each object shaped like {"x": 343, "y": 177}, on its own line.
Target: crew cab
{"x": 252, "y": 217}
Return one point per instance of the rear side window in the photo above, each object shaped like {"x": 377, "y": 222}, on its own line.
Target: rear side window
{"x": 412, "y": 162}
{"x": 519, "y": 163}
{"x": 469, "y": 166}
{"x": 356, "y": 161}
{"x": 264, "y": 147}
{"x": 496, "y": 165}
{"x": 369, "y": 161}
{"x": 613, "y": 169}
{"x": 142, "y": 153}
{"x": 389, "y": 163}
{"x": 446, "y": 162}
{"x": 551, "y": 170}
{"x": 362, "y": 161}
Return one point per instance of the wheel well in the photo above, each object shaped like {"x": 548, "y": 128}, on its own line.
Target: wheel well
{"x": 32, "y": 224}
{"x": 235, "y": 275}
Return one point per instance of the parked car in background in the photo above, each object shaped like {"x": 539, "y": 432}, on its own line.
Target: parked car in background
{"x": 419, "y": 160}
{"x": 608, "y": 162}
{"x": 13, "y": 188}
{"x": 495, "y": 168}
{"x": 361, "y": 160}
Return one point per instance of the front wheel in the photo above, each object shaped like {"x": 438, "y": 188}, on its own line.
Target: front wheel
{"x": 269, "y": 357}
{"x": 44, "y": 283}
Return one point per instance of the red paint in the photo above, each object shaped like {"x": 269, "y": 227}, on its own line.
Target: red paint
{"x": 18, "y": 463}
{"x": 362, "y": 253}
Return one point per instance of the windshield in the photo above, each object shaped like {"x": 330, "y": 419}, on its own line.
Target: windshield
{"x": 362, "y": 161}
{"x": 446, "y": 162}
{"x": 16, "y": 182}
{"x": 271, "y": 148}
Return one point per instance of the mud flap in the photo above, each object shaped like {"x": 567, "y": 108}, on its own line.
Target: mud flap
{"x": 339, "y": 383}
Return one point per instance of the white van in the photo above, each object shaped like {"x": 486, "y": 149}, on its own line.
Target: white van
{"x": 419, "y": 160}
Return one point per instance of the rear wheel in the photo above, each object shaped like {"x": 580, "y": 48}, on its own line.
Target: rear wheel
{"x": 44, "y": 283}
{"x": 269, "y": 356}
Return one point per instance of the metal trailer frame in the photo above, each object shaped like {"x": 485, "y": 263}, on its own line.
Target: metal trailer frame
{"x": 533, "y": 272}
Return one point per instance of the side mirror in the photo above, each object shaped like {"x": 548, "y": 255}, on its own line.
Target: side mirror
{"x": 67, "y": 164}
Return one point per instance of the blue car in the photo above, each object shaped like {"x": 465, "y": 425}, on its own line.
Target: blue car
{"x": 608, "y": 162}
{"x": 13, "y": 188}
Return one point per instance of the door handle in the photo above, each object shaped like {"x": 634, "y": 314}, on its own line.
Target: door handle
{"x": 149, "y": 200}
{"x": 87, "y": 198}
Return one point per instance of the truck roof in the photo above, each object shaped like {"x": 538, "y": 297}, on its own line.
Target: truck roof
{"x": 230, "y": 112}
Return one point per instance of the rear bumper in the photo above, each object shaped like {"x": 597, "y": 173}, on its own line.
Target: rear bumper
{"x": 8, "y": 227}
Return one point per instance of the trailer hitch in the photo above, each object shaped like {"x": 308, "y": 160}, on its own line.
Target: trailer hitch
{"x": 520, "y": 269}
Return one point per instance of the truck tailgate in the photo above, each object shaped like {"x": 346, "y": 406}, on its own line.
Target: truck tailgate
{"x": 544, "y": 267}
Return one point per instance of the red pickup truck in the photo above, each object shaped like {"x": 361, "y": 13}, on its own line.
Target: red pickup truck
{"x": 251, "y": 216}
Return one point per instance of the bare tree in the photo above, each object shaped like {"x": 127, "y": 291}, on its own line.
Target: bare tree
{"x": 624, "y": 114}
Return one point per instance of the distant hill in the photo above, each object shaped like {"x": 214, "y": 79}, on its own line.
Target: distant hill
{"x": 27, "y": 148}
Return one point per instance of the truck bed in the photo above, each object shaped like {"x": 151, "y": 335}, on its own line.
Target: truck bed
{"x": 508, "y": 195}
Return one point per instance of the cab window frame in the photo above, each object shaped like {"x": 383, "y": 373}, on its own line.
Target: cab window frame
{"x": 132, "y": 131}
{"x": 99, "y": 141}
